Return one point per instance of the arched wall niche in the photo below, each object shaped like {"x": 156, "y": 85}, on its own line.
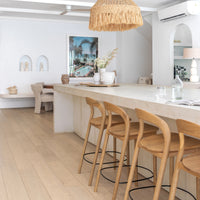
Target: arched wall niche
{"x": 182, "y": 38}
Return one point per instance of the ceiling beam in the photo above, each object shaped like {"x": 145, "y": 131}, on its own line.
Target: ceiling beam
{"x": 45, "y": 12}
{"x": 60, "y": 2}
{"x": 77, "y": 3}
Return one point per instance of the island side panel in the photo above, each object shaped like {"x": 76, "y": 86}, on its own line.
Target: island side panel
{"x": 63, "y": 113}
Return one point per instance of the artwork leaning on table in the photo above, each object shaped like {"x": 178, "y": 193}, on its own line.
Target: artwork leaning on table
{"x": 82, "y": 53}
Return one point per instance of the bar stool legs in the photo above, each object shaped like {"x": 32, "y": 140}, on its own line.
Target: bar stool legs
{"x": 121, "y": 161}
{"x": 96, "y": 154}
{"x": 136, "y": 169}
{"x": 101, "y": 161}
{"x": 114, "y": 154}
{"x": 132, "y": 170}
{"x": 84, "y": 147}
{"x": 155, "y": 167}
{"x": 123, "y": 151}
{"x": 128, "y": 157}
{"x": 101, "y": 123}
{"x": 171, "y": 169}
{"x": 197, "y": 188}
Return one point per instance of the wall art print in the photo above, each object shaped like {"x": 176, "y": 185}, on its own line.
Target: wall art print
{"x": 82, "y": 53}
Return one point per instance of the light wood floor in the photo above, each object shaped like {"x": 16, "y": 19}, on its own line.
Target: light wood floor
{"x": 36, "y": 164}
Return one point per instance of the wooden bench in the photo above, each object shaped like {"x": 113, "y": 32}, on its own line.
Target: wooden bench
{"x": 17, "y": 96}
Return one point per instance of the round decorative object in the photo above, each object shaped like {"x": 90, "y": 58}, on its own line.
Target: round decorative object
{"x": 115, "y": 15}
{"x": 108, "y": 78}
{"x": 96, "y": 78}
{"x": 65, "y": 79}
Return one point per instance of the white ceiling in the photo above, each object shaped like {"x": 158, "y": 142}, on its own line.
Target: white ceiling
{"x": 44, "y": 9}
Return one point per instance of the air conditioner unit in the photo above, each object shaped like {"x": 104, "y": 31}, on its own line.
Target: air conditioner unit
{"x": 180, "y": 10}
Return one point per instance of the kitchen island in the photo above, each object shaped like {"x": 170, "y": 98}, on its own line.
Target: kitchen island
{"x": 71, "y": 113}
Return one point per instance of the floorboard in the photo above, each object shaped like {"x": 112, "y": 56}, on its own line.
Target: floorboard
{"x": 36, "y": 164}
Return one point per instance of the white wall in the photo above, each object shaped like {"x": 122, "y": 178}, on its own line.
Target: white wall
{"x": 36, "y": 37}
{"x": 135, "y": 54}
{"x": 20, "y": 37}
{"x": 163, "y": 37}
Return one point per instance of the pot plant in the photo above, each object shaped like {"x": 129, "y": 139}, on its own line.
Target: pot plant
{"x": 102, "y": 63}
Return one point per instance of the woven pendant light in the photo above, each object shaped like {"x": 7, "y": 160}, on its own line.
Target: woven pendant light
{"x": 115, "y": 15}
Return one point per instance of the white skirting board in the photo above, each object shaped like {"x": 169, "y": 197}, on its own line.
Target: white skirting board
{"x": 17, "y": 103}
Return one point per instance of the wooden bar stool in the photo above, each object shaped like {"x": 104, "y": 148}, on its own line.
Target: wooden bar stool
{"x": 124, "y": 132}
{"x": 164, "y": 146}
{"x": 190, "y": 163}
{"x": 100, "y": 123}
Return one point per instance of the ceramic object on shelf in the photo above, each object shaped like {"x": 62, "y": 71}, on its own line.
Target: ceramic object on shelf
{"x": 108, "y": 78}
{"x": 96, "y": 78}
{"x": 65, "y": 79}
{"x": 12, "y": 90}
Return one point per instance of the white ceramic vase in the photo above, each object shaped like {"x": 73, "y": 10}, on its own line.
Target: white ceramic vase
{"x": 96, "y": 78}
{"x": 108, "y": 78}
{"x": 102, "y": 71}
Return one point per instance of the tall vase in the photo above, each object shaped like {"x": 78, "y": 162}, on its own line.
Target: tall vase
{"x": 102, "y": 71}
{"x": 96, "y": 78}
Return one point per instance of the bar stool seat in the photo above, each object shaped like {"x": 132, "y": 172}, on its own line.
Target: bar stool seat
{"x": 118, "y": 130}
{"x": 155, "y": 144}
{"x": 116, "y": 119}
{"x": 192, "y": 164}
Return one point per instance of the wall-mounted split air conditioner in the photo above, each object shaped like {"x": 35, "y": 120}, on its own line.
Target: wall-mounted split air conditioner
{"x": 180, "y": 10}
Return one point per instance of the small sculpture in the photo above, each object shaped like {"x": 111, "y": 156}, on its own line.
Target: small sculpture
{"x": 26, "y": 67}
{"x": 41, "y": 67}
{"x": 21, "y": 67}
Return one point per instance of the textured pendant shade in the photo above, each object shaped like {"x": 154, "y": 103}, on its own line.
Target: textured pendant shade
{"x": 115, "y": 15}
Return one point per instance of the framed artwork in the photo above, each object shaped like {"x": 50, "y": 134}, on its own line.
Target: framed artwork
{"x": 82, "y": 53}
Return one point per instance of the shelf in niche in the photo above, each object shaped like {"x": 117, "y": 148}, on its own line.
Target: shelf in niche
{"x": 182, "y": 45}
{"x": 180, "y": 58}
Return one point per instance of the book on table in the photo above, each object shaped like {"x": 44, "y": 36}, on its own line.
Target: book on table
{"x": 186, "y": 102}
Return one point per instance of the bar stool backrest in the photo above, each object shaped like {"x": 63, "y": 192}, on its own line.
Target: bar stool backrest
{"x": 158, "y": 122}
{"x": 110, "y": 108}
{"x": 186, "y": 128}
{"x": 93, "y": 103}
